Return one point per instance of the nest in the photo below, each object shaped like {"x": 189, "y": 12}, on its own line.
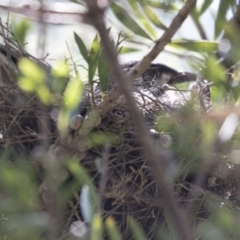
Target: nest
{"x": 21, "y": 112}
{"x": 126, "y": 186}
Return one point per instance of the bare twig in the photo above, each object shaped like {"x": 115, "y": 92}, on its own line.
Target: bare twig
{"x": 158, "y": 161}
{"x": 51, "y": 15}
{"x": 163, "y": 41}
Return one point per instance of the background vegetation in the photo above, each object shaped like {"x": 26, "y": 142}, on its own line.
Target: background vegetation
{"x": 55, "y": 162}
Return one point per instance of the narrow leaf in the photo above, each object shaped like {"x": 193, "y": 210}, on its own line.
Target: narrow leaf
{"x": 213, "y": 71}
{"x": 141, "y": 17}
{"x": 93, "y": 59}
{"x": 152, "y": 16}
{"x": 27, "y": 84}
{"x": 20, "y": 30}
{"x": 166, "y": 6}
{"x": 127, "y": 21}
{"x": 44, "y": 94}
{"x": 195, "y": 45}
{"x": 73, "y": 93}
{"x": 221, "y": 16}
{"x": 128, "y": 50}
{"x": 136, "y": 229}
{"x": 31, "y": 70}
{"x": 97, "y": 228}
{"x": 81, "y": 46}
{"x": 103, "y": 72}
{"x": 205, "y": 6}
{"x": 112, "y": 229}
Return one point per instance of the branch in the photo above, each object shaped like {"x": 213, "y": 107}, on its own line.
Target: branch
{"x": 51, "y": 14}
{"x": 163, "y": 41}
{"x": 158, "y": 161}
{"x": 106, "y": 104}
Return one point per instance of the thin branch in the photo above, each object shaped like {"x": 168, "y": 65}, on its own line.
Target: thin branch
{"x": 50, "y": 16}
{"x": 158, "y": 161}
{"x": 163, "y": 41}
{"x": 106, "y": 104}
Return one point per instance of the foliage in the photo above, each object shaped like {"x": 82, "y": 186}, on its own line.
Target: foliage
{"x": 53, "y": 191}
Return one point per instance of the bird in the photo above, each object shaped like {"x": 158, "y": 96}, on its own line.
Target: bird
{"x": 158, "y": 74}
{"x": 159, "y": 78}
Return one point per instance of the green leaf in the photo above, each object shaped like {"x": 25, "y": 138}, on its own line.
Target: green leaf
{"x": 166, "y": 6}
{"x": 112, "y": 229}
{"x": 44, "y": 94}
{"x": 127, "y": 21}
{"x": 213, "y": 71}
{"x": 73, "y": 93}
{"x": 20, "y": 30}
{"x": 195, "y": 45}
{"x": 81, "y": 46}
{"x": 128, "y": 50}
{"x": 81, "y": 175}
{"x": 152, "y": 16}
{"x": 27, "y": 84}
{"x": 205, "y": 6}
{"x": 136, "y": 229}
{"x": 97, "y": 227}
{"x": 61, "y": 70}
{"x": 103, "y": 71}
{"x": 31, "y": 70}
{"x": 208, "y": 230}
{"x": 93, "y": 59}
{"x": 60, "y": 77}
{"x": 141, "y": 17}
{"x": 221, "y": 16}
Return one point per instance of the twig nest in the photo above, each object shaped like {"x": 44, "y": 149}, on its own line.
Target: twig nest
{"x": 76, "y": 122}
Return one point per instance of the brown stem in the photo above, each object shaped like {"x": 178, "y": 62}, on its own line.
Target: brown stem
{"x": 158, "y": 161}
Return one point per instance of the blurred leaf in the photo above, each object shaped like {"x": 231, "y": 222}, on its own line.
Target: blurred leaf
{"x": 214, "y": 71}
{"x": 103, "y": 71}
{"x": 225, "y": 219}
{"x": 93, "y": 59}
{"x": 208, "y": 230}
{"x": 152, "y": 16}
{"x": 195, "y": 209}
{"x": 73, "y": 93}
{"x": 221, "y": 16}
{"x": 136, "y": 229}
{"x": 205, "y": 6}
{"x": 128, "y": 50}
{"x": 28, "y": 220}
{"x": 99, "y": 138}
{"x": 82, "y": 176}
{"x": 61, "y": 70}
{"x": 86, "y": 204}
{"x": 195, "y": 45}
{"x": 209, "y": 133}
{"x": 97, "y": 227}
{"x": 31, "y": 70}
{"x": 141, "y": 17}
{"x": 18, "y": 193}
{"x": 166, "y": 6}
{"x": 112, "y": 229}
{"x": 81, "y": 47}
{"x": 61, "y": 77}
{"x": 44, "y": 95}
{"x": 20, "y": 30}
{"x": 126, "y": 20}
{"x": 27, "y": 84}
